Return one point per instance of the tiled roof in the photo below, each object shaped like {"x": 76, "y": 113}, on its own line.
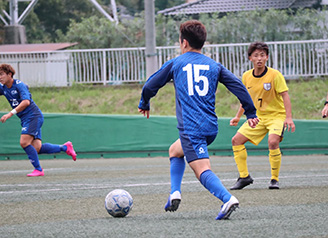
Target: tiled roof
{"x": 210, "y": 6}
{"x": 35, "y": 47}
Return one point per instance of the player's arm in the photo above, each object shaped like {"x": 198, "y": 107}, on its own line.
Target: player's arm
{"x": 21, "y": 107}
{"x": 325, "y": 108}
{"x": 289, "y": 124}
{"x": 234, "y": 121}
{"x": 235, "y": 86}
{"x": 252, "y": 122}
{"x": 153, "y": 84}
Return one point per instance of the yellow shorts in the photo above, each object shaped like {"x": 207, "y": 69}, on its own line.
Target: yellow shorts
{"x": 256, "y": 135}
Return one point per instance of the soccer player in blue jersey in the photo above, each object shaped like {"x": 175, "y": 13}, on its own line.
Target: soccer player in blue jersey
{"x": 20, "y": 99}
{"x": 195, "y": 78}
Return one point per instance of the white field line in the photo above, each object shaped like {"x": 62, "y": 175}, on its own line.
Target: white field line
{"x": 70, "y": 187}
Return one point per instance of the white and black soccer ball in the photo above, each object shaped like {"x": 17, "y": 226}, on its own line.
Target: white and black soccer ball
{"x": 118, "y": 203}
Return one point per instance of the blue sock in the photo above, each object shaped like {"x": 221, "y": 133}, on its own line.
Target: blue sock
{"x": 213, "y": 184}
{"x": 48, "y": 148}
{"x": 177, "y": 168}
{"x": 33, "y": 156}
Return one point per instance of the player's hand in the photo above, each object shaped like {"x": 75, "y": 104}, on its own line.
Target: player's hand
{"x": 252, "y": 122}
{"x": 234, "y": 121}
{"x": 5, "y": 117}
{"x": 144, "y": 112}
{"x": 289, "y": 125}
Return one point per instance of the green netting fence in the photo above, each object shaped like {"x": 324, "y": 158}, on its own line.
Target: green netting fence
{"x": 115, "y": 136}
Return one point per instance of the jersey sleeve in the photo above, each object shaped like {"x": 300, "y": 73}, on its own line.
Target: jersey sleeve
{"x": 243, "y": 79}
{"x": 1, "y": 90}
{"x": 23, "y": 91}
{"x": 235, "y": 86}
{"x": 280, "y": 83}
{"x": 154, "y": 83}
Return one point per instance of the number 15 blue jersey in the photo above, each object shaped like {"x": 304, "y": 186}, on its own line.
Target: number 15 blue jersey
{"x": 196, "y": 78}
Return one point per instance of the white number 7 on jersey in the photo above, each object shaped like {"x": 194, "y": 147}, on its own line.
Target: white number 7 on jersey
{"x": 198, "y": 78}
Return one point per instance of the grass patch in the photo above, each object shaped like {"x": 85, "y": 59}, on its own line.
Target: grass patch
{"x": 307, "y": 99}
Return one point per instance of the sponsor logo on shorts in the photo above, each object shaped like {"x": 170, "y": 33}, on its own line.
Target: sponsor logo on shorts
{"x": 24, "y": 129}
{"x": 201, "y": 150}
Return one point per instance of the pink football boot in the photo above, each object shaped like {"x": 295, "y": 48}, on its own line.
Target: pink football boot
{"x": 36, "y": 173}
{"x": 70, "y": 151}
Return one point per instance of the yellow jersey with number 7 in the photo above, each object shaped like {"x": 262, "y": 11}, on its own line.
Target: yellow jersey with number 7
{"x": 265, "y": 91}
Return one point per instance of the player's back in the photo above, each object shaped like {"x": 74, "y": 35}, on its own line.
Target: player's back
{"x": 196, "y": 78}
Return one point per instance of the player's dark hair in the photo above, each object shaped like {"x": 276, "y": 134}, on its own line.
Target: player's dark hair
{"x": 257, "y": 45}
{"x": 7, "y": 68}
{"x": 194, "y": 32}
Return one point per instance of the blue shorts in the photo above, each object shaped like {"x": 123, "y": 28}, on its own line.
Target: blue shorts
{"x": 32, "y": 126}
{"x": 195, "y": 147}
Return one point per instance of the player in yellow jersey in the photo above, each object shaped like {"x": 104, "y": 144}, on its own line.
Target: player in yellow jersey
{"x": 269, "y": 93}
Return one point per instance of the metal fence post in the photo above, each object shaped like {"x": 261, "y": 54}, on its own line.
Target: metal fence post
{"x": 275, "y": 60}
{"x": 104, "y": 68}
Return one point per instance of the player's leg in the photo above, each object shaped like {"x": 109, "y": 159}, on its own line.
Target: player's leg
{"x": 276, "y": 132}
{"x": 244, "y": 134}
{"x": 197, "y": 156}
{"x": 240, "y": 154}
{"x": 31, "y": 134}
{"x": 214, "y": 185}
{"x": 48, "y": 148}
{"x": 32, "y": 154}
{"x": 177, "y": 168}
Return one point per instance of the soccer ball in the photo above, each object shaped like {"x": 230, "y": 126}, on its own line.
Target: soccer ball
{"x": 118, "y": 203}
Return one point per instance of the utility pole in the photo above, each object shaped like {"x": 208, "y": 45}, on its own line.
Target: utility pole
{"x": 151, "y": 55}
{"x": 14, "y": 31}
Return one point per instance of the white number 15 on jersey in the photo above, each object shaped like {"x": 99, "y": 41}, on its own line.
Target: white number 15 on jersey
{"x": 197, "y": 78}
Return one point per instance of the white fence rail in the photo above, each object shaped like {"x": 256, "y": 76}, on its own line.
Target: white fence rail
{"x": 295, "y": 59}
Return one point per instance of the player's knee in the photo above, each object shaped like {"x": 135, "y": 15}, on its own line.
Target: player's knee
{"x": 239, "y": 139}
{"x": 175, "y": 151}
{"x": 234, "y": 140}
{"x": 24, "y": 144}
{"x": 273, "y": 144}
{"x": 172, "y": 151}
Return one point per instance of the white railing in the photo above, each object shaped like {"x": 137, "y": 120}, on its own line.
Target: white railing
{"x": 295, "y": 59}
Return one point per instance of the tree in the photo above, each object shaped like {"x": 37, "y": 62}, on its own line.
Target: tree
{"x": 98, "y": 32}
{"x": 56, "y": 14}
{"x": 76, "y": 21}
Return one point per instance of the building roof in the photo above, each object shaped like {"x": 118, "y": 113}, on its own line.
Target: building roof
{"x": 224, "y": 6}
{"x": 17, "y": 48}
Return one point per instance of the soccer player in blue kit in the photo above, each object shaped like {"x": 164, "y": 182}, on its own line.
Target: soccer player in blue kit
{"x": 195, "y": 77}
{"x": 20, "y": 99}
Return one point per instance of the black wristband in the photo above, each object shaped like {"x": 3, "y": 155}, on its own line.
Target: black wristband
{"x": 326, "y": 102}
